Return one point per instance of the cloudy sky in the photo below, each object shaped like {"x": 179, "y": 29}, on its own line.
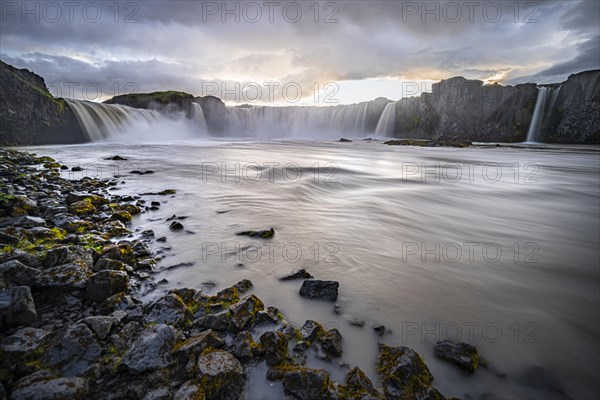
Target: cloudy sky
{"x": 276, "y": 52}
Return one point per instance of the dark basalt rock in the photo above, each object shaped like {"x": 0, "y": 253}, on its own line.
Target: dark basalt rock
{"x": 404, "y": 375}
{"x": 462, "y": 354}
{"x": 104, "y": 284}
{"x": 316, "y": 289}
{"x": 74, "y": 351}
{"x": 220, "y": 375}
{"x": 17, "y": 307}
{"x": 299, "y": 274}
{"x": 152, "y": 349}
{"x": 331, "y": 342}
{"x": 175, "y": 226}
{"x": 169, "y": 309}
{"x": 306, "y": 384}
{"x": 29, "y": 114}
{"x": 358, "y": 382}
{"x": 276, "y": 347}
{"x": 265, "y": 234}
{"x": 42, "y": 382}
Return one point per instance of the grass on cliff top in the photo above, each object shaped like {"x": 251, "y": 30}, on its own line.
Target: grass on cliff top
{"x": 159, "y": 97}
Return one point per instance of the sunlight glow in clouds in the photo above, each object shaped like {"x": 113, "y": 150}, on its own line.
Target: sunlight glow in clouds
{"x": 368, "y": 49}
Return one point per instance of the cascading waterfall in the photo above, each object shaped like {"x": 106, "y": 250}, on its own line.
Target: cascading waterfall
{"x": 199, "y": 119}
{"x": 387, "y": 122}
{"x": 301, "y": 121}
{"x": 541, "y": 111}
{"x": 102, "y": 121}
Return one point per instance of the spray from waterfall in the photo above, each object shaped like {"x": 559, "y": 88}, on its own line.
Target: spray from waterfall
{"x": 542, "y": 110}
{"x": 387, "y": 121}
{"x": 101, "y": 121}
{"x": 301, "y": 122}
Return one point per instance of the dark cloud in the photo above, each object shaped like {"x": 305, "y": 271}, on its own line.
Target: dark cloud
{"x": 180, "y": 45}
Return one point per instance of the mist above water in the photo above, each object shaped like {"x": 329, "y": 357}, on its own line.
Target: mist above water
{"x": 122, "y": 123}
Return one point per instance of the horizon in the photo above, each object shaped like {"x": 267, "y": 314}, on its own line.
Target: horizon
{"x": 327, "y": 53}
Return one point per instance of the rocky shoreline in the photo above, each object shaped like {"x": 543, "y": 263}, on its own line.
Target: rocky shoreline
{"x": 73, "y": 325}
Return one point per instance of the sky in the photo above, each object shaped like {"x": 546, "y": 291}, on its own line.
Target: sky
{"x": 295, "y": 53}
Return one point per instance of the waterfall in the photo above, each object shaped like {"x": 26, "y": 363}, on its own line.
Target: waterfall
{"x": 101, "y": 121}
{"x": 198, "y": 118}
{"x": 302, "y": 121}
{"x": 541, "y": 111}
{"x": 385, "y": 126}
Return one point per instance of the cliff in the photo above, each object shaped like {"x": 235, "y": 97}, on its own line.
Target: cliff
{"x": 165, "y": 102}
{"x": 29, "y": 114}
{"x": 469, "y": 110}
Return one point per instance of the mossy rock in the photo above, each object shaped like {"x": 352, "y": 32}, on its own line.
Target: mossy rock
{"x": 123, "y": 216}
{"x": 221, "y": 375}
{"x": 83, "y": 207}
{"x": 404, "y": 375}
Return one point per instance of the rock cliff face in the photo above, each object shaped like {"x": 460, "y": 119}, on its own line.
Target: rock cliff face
{"x": 215, "y": 113}
{"x": 575, "y": 117}
{"x": 467, "y": 109}
{"x": 29, "y": 114}
{"x": 164, "y": 102}
{"x": 456, "y": 108}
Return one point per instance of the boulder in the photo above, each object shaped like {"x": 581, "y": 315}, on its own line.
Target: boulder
{"x": 220, "y": 375}
{"x": 316, "y": 289}
{"x": 404, "y": 375}
{"x": 152, "y": 349}
{"x": 299, "y": 274}
{"x": 189, "y": 390}
{"x": 17, "y": 273}
{"x": 462, "y": 354}
{"x": 310, "y": 331}
{"x": 331, "y": 342}
{"x": 265, "y": 234}
{"x": 67, "y": 276}
{"x": 24, "y": 341}
{"x": 83, "y": 207}
{"x": 74, "y": 352}
{"x": 106, "y": 283}
{"x": 276, "y": 347}
{"x": 169, "y": 309}
{"x": 306, "y": 384}
{"x": 196, "y": 344}
{"x": 244, "y": 313}
{"x": 25, "y": 221}
{"x": 358, "y": 382}
{"x": 100, "y": 325}
{"x": 37, "y": 386}
{"x": 16, "y": 307}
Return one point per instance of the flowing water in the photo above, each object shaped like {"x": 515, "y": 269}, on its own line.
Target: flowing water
{"x": 541, "y": 111}
{"x": 494, "y": 245}
{"x": 385, "y": 126}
